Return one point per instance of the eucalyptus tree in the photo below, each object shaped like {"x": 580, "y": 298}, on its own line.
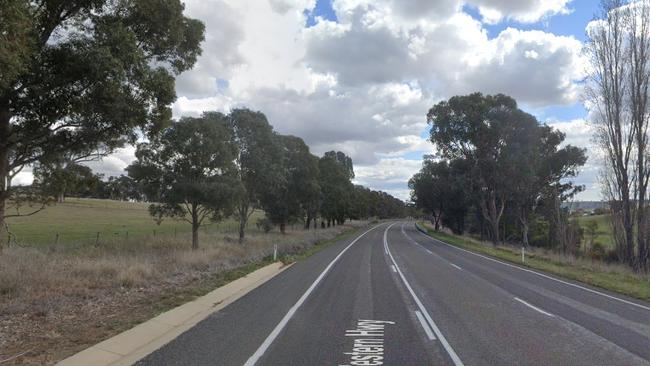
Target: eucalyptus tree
{"x": 80, "y": 74}
{"x": 189, "y": 171}
{"x": 259, "y": 161}
{"x": 508, "y": 157}
{"x": 298, "y": 193}
{"x": 478, "y": 128}
{"x": 336, "y": 172}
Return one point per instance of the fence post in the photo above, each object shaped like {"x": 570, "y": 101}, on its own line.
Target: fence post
{"x": 127, "y": 234}
{"x": 56, "y": 239}
{"x": 97, "y": 239}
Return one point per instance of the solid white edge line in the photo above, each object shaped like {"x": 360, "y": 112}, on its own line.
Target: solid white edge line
{"x": 540, "y": 274}
{"x": 455, "y": 266}
{"x": 425, "y": 326}
{"x": 450, "y": 351}
{"x": 534, "y": 307}
{"x": 278, "y": 328}
{"x": 393, "y": 268}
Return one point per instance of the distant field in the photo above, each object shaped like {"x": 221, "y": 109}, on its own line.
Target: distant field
{"x": 79, "y": 220}
{"x": 604, "y": 234}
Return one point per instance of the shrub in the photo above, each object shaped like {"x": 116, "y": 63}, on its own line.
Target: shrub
{"x": 597, "y": 251}
{"x": 264, "y": 224}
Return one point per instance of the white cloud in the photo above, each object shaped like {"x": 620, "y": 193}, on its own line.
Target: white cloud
{"x": 390, "y": 174}
{"x": 524, "y": 11}
{"x": 363, "y": 84}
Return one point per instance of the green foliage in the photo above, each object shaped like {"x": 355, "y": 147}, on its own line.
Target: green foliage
{"x": 441, "y": 190}
{"x": 299, "y": 190}
{"x": 337, "y": 189}
{"x": 189, "y": 170}
{"x": 87, "y": 74}
{"x": 499, "y": 161}
{"x": 60, "y": 179}
{"x": 122, "y": 188}
{"x": 367, "y": 203}
{"x": 15, "y": 41}
{"x": 264, "y": 224}
{"x": 258, "y": 159}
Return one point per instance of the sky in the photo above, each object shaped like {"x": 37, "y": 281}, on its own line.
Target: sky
{"x": 359, "y": 76}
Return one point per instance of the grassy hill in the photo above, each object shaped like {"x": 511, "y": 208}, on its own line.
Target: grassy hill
{"x": 79, "y": 220}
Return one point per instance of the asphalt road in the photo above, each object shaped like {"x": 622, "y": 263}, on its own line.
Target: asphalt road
{"x": 393, "y": 296}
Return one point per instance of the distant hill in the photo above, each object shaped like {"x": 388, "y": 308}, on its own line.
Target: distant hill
{"x": 585, "y": 205}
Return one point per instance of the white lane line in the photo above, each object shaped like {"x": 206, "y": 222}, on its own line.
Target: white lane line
{"x": 452, "y": 354}
{"x": 393, "y": 268}
{"x": 278, "y": 328}
{"x": 425, "y": 326}
{"x": 535, "y": 307}
{"x": 455, "y": 266}
{"x": 540, "y": 274}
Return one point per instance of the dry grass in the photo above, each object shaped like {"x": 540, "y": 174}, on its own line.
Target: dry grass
{"x": 58, "y": 300}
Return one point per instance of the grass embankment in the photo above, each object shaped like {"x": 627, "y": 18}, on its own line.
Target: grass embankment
{"x": 615, "y": 278}
{"x": 78, "y": 220}
{"x": 57, "y": 299}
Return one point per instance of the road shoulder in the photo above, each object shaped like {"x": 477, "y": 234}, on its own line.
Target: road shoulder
{"x": 134, "y": 344}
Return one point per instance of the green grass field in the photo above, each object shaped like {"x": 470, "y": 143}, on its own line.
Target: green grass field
{"x": 79, "y": 220}
{"x": 604, "y": 234}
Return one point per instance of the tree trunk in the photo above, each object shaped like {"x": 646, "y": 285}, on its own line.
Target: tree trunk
{"x": 243, "y": 219}
{"x": 60, "y": 197}
{"x": 283, "y": 228}
{"x": 5, "y": 118}
{"x": 308, "y": 222}
{"x": 628, "y": 227}
{"x": 195, "y": 228}
{"x": 195, "y": 236}
{"x": 492, "y": 215}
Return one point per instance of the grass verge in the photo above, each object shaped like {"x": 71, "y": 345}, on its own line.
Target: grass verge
{"x": 614, "y": 278}
{"x": 59, "y": 300}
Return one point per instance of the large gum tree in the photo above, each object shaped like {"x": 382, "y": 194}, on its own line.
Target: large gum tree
{"x": 85, "y": 74}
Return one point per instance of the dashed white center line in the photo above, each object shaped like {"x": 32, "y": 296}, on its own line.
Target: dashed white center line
{"x": 425, "y": 326}
{"x": 450, "y": 351}
{"x": 534, "y": 307}
{"x": 455, "y": 266}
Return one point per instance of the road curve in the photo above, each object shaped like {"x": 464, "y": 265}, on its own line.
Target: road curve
{"x": 394, "y": 296}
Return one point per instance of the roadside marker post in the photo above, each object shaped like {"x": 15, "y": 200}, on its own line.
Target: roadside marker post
{"x": 523, "y": 254}
{"x": 275, "y": 252}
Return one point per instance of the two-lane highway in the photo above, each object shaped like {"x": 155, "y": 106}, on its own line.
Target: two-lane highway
{"x": 393, "y": 296}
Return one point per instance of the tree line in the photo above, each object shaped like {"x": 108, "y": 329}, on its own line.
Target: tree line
{"x": 81, "y": 78}
{"x": 228, "y": 165}
{"x": 499, "y": 173}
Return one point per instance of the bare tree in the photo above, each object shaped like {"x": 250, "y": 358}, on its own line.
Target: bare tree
{"x": 637, "y": 17}
{"x": 606, "y": 92}
{"x": 619, "y": 47}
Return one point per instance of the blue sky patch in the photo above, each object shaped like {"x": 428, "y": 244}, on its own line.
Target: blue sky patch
{"x": 322, "y": 9}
